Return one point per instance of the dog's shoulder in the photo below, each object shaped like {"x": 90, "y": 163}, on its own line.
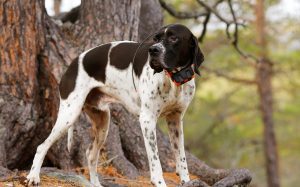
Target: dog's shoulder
{"x": 123, "y": 54}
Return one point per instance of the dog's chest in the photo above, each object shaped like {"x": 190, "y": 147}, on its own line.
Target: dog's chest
{"x": 176, "y": 98}
{"x": 159, "y": 93}
{"x": 155, "y": 92}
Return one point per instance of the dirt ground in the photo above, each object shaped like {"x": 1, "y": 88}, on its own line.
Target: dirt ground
{"x": 109, "y": 174}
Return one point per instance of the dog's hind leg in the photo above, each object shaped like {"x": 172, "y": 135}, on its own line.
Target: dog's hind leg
{"x": 69, "y": 110}
{"x": 100, "y": 119}
{"x": 175, "y": 126}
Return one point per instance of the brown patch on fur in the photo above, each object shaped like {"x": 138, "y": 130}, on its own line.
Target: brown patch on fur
{"x": 99, "y": 118}
{"x": 94, "y": 97}
{"x": 68, "y": 80}
{"x": 95, "y": 62}
{"x": 122, "y": 55}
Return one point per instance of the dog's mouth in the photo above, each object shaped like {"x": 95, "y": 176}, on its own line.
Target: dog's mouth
{"x": 155, "y": 64}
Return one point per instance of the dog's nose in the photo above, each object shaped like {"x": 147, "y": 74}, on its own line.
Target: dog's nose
{"x": 154, "y": 50}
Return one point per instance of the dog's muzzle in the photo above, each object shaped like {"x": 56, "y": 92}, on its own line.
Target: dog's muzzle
{"x": 156, "y": 53}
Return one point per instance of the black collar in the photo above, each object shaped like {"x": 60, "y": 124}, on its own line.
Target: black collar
{"x": 181, "y": 75}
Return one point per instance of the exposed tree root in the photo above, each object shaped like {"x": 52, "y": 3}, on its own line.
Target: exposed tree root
{"x": 239, "y": 177}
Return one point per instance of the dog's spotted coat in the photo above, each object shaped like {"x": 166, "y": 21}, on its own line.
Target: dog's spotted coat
{"x": 103, "y": 75}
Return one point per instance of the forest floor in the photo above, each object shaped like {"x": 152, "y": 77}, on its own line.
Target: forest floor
{"x": 78, "y": 177}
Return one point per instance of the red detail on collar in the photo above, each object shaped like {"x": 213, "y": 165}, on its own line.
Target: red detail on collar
{"x": 170, "y": 75}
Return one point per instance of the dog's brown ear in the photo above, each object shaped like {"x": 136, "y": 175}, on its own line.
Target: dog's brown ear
{"x": 197, "y": 57}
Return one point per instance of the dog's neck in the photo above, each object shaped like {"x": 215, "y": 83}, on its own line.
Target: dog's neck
{"x": 177, "y": 77}
{"x": 181, "y": 75}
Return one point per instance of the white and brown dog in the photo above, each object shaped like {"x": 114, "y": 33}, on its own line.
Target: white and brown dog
{"x": 163, "y": 73}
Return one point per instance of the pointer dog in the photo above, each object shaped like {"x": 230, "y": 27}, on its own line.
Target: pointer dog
{"x": 150, "y": 80}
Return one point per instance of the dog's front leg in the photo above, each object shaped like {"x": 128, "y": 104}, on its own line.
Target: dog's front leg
{"x": 175, "y": 127}
{"x": 148, "y": 124}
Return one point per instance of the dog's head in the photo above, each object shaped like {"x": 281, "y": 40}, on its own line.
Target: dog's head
{"x": 174, "y": 47}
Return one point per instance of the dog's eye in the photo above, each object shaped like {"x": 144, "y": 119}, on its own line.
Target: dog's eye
{"x": 173, "y": 39}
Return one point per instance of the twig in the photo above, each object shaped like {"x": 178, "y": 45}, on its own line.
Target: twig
{"x": 236, "y": 36}
{"x": 213, "y": 10}
{"x": 107, "y": 162}
{"x": 234, "y": 79}
{"x": 181, "y": 15}
{"x": 205, "y": 22}
{"x": 127, "y": 180}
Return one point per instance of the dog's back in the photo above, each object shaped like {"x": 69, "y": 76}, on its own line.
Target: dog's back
{"x": 110, "y": 68}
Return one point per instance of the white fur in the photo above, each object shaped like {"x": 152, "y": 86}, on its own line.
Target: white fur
{"x": 162, "y": 54}
{"x": 146, "y": 101}
{"x": 69, "y": 110}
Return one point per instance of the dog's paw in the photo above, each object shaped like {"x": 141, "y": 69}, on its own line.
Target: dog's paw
{"x": 96, "y": 183}
{"x": 184, "y": 178}
{"x": 33, "y": 179}
{"x": 159, "y": 183}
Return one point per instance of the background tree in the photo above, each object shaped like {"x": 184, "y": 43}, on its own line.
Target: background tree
{"x": 56, "y": 6}
{"x": 259, "y": 66}
{"x": 264, "y": 71}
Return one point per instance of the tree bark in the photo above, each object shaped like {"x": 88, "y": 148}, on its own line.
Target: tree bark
{"x": 151, "y": 18}
{"x": 264, "y": 72}
{"x": 35, "y": 52}
{"x": 22, "y": 40}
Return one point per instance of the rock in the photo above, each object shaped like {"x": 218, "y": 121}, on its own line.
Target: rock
{"x": 66, "y": 176}
{"x": 4, "y": 172}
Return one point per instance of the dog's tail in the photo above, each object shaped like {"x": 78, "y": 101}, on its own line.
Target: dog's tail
{"x": 70, "y": 137}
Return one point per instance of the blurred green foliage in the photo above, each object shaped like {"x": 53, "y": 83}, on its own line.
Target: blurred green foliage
{"x": 223, "y": 125}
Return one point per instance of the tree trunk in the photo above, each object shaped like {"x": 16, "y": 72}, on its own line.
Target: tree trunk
{"x": 151, "y": 18}
{"x": 34, "y": 53}
{"x": 22, "y": 40}
{"x": 56, "y": 6}
{"x": 264, "y": 84}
